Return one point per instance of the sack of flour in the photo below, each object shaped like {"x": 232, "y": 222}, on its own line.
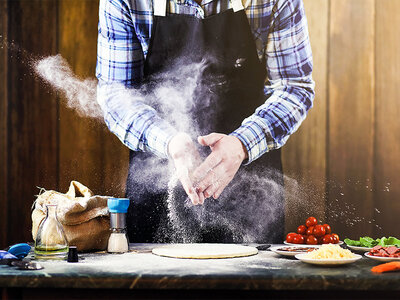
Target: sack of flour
{"x": 84, "y": 216}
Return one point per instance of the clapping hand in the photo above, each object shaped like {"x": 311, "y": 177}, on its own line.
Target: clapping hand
{"x": 185, "y": 156}
{"x": 219, "y": 168}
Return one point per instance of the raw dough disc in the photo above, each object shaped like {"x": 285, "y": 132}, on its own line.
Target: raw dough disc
{"x": 203, "y": 251}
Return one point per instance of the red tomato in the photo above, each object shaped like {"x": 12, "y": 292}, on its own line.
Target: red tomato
{"x": 311, "y": 240}
{"x": 301, "y": 229}
{"x": 290, "y": 236}
{"x": 298, "y": 239}
{"x": 328, "y": 229}
{"x": 335, "y": 238}
{"x": 310, "y": 230}
{"x": 311, "y": 221}
{"x": 327, "y": 239}
{"x": 319, "y": 230}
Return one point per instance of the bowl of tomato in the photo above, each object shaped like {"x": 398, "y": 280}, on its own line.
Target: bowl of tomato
{"x": 312, "y": 233}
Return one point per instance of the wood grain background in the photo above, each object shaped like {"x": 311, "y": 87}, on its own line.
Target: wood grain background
{"x": 341, "y": 166}
{"x": 344, "y": 156}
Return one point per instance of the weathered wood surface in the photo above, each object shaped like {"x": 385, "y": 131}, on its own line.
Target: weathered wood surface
{"x": 32, "y": 125}
{"x": 387, "y": 134}
{"x": 344, "y": 156}
{"x": 89, "y": 153}
{"x": 304, "y": 156}
{"x": 3, "y": 123}
{"x": 351, "y": 116}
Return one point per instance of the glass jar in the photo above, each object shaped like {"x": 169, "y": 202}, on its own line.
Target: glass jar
{"x": 51, "y": 242}
{"x": 118, "y": 241}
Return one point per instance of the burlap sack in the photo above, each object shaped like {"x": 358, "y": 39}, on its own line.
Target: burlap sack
{"x": 85, "y": 217}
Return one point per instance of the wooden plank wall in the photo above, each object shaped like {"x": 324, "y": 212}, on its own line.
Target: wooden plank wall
{"x": 342, "y": 164}
{"x": 43, "y": 144}
{"x": 304, "y": 155}
{"x": 32, "y": 126}
{"x": 89, "y": 153}
{"x": 358, "y": 129}
{"x": 351, "y": 117}
{"x": 387, "y": 136}
{"x": 3, "y": 122}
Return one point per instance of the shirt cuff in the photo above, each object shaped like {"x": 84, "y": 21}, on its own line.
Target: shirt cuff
{"x": 253, "y": 138}
{"x": 158, "y": 136}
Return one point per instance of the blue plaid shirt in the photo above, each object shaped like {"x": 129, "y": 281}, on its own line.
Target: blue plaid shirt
{"x": 280, "y": 30}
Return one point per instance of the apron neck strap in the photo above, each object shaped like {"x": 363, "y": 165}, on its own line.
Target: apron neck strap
{"x": 160, "y": 6}
{"x": 237, "y": 5}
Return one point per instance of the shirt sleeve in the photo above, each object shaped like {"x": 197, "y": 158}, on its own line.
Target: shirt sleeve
{"x": 289, "y": 88}
{"x": 120, "y": 60}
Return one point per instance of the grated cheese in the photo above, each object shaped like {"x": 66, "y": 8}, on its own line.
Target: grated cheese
{"x": 330, "y": 251}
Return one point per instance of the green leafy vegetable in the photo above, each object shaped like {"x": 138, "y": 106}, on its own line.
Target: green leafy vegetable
{"x": 390, "y": 241}
{"x": 352, "y": 242}
{"x": 369, "y": 242}
{"x": 366, "y": 241}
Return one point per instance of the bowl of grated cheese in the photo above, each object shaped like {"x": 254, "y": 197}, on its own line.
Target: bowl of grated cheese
{"x": 329, "y": 255}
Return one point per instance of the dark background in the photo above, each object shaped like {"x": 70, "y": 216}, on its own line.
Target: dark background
{"x": 343, "y": 162}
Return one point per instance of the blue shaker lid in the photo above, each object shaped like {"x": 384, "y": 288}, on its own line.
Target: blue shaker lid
{"x": 118, "y": 205}
{"x": 20, "y": 250}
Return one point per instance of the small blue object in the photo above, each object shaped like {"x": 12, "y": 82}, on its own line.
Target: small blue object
{"x": 6, "y": 255}
{"x": 20, "y": 250}
{"x": 118, "y": 205}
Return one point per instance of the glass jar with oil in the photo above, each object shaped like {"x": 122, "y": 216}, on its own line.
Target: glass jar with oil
{"x": 51, "y": 242}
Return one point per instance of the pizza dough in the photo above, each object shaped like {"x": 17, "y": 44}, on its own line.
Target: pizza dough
{"x": 204, "y": 251}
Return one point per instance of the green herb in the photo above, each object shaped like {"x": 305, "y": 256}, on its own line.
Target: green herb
{"x": 369, "y": 242}
{"x": 390, "y": 241}
{"x": 350, "y": 242}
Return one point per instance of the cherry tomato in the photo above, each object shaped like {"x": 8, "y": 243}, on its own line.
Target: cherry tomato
{"x": 319, "y": 230}
{"x": 311, "y": 240}
{"x": 311, "y": 221}
{"x": 310, "y": 230}
{"x": 303, "y": 239}
{"x": 298, "y": 239}
{"x": 335, "y": 238}
{"x": 327, "y": 239}
{"x": 301, "y": 229}
{"x": 290, "y": 236}
{"x": 328, "y": 229}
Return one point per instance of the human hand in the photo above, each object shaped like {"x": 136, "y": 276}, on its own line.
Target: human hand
{"x": 185, "y": 156}
{"x": 219, "y": 168}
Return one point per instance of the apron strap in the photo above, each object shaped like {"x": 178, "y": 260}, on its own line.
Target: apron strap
{"x": 237, "y": 5}
{"x": 160, "y": 6}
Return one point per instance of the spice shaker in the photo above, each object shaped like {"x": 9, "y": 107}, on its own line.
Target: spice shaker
{"x": 118, "y": 241}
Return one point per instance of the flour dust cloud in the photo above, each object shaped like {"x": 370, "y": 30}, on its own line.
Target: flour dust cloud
{"x": 80, "y": 94}
{"x": 245, "y": 210}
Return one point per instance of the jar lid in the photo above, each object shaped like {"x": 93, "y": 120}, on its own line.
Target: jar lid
{"x": 118, "y": 205}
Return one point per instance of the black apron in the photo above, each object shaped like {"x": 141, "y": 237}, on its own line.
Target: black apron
{"x": 251, "y": 208}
